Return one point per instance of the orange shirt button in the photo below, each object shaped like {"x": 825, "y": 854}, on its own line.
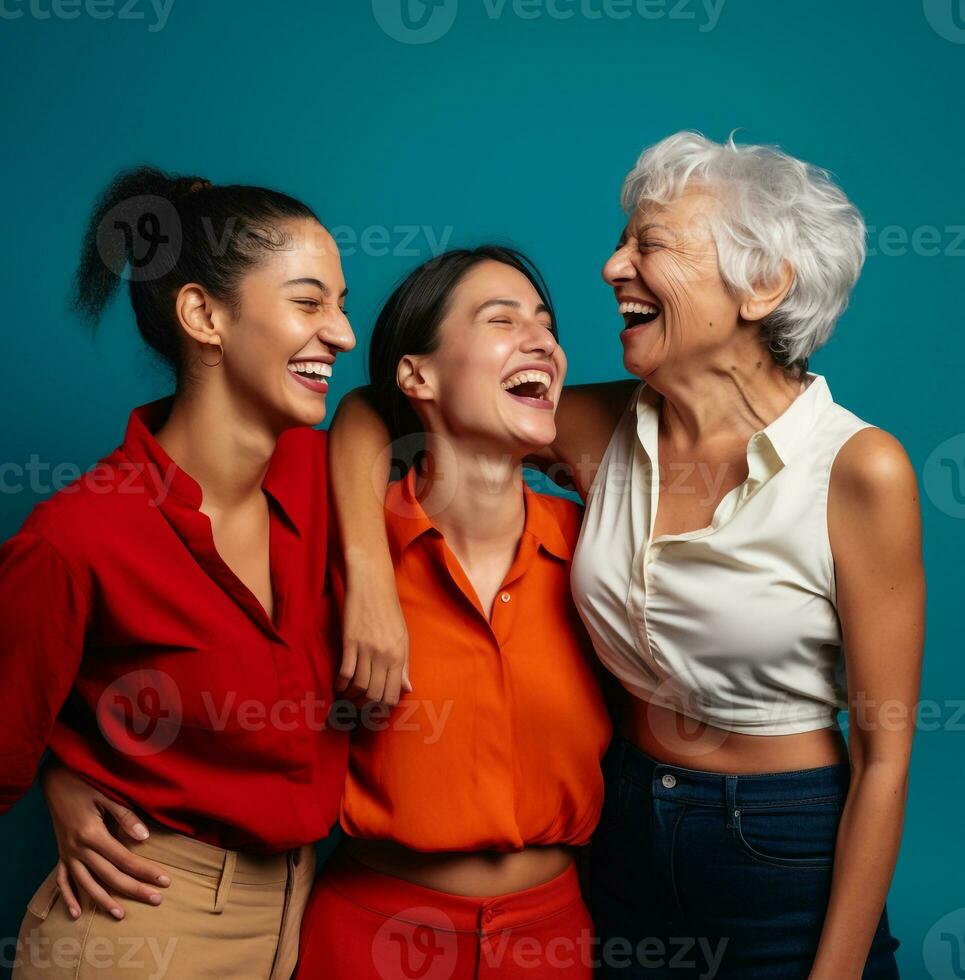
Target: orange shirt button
{"x": 505, "y": 597}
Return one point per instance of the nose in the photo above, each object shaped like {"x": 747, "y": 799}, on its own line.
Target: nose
{"x": 338, "y": 333}
{"x": 539, "y": 339}
{"x": 618, "y": 267}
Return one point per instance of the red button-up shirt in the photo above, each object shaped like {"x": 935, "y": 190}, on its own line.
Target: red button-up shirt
{"x": 130, "y": 648}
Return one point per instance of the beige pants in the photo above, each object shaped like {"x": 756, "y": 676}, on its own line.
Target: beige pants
{"x": 226, "y": 915}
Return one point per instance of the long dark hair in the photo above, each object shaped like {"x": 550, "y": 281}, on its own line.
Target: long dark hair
{"x": 409, "y": 323}
{"x": 161, "y": 231}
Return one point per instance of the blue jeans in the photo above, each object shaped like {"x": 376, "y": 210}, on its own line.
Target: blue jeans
{"x": 702, "y": 874}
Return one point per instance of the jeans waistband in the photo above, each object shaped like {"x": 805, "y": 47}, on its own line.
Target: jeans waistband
{"x": 671, "y": 782}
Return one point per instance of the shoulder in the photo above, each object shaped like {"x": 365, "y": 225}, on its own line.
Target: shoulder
{"x": 871, "y": 465}
{"x": 301, "y": 459}
{"x": 87, "y": 505}
{"x": 874, "y": 518}
{"x": 566, "y": 514}
{"x": 873, "y": 500}
{"x": 30, "y": 564}
{"x": 61, "y": 533}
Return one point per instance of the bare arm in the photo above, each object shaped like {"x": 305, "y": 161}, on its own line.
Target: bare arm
{"x": 585, "y": 419}
{"x": 875, "y": 528}
{"x": 375, "y": 640}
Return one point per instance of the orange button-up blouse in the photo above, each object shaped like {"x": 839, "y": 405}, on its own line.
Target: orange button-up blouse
{"x": 499, "y": 744}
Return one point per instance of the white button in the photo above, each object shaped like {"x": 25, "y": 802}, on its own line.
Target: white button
{"x": 505, "y": 597}
{"x": 669, "y": 781}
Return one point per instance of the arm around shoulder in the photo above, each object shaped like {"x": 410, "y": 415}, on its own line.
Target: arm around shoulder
{"x": 585, "y": 419}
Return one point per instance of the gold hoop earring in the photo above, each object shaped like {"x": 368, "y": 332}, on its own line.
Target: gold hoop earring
{"x": 217, "y": 362}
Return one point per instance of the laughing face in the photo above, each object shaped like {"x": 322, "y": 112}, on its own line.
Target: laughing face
{"x": 279, "y": 350}
{"x": 496, "y": 375}
{"x": 666, "y": 279}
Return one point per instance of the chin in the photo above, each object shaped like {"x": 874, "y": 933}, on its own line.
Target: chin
{"x": 641, "y": 357}
{"x": 315, "y": 418}
{"x": 536, "y": 439}
{"x": 638, "y": 365}
{"x": 304, "y": 414}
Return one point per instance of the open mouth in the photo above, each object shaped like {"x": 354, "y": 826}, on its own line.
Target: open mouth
{"x": 310, "y": 374}
{"x": 638, "y": 314}
{"x": 529, "y": 387}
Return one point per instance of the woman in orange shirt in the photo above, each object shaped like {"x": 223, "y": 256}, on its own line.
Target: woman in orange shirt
{"x": 466, "y": 796}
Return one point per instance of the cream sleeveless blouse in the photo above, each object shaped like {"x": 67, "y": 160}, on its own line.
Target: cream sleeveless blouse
{"x": 733, "y": 624}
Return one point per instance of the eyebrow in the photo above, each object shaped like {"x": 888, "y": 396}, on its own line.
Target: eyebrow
{"x": 315, "y": 282}
{"x": 515, "y": 304}
{"x": 641, "y": 231}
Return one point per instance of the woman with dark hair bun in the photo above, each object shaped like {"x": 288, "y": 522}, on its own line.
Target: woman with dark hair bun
{"x": 466, "y": 798}
{"x": 163, "y": 625}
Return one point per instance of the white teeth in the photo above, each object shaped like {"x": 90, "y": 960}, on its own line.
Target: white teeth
{"x": 638, "y": 308}
{"x": 526, "y": 376}
{"x": 321, "y": 368}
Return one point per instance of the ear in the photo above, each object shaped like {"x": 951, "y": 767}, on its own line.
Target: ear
{"x": 414, "y": 380}
{"x": 764, "y": 300}
{"x": 198, "y": 315}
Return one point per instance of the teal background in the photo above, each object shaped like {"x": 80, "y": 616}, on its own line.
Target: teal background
{"x": 519, "y": 131}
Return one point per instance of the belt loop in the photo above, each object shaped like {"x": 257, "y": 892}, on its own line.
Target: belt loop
{"x": 224, "y": 885}
{"x": 730, "y": 801}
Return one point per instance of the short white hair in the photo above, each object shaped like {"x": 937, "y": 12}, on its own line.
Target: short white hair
{"x": 772, "y": 208}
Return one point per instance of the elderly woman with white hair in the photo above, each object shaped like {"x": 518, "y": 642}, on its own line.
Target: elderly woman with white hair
{"x": 749, "y": 565}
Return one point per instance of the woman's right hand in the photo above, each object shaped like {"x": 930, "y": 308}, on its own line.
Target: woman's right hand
{"x": 91, "y": 857}
{"x": 375, "y": 642}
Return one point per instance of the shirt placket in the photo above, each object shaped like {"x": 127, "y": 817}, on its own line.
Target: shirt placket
{"x": 495, "y": 741}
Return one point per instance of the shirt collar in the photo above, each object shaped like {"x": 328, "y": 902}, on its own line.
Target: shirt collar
{"x": 169, "y": 485}
{"x": 405, "y": 519}
{"x": 788, "y": 433}
{"x": 770, "y": 448}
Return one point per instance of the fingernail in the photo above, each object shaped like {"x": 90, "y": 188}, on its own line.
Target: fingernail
{"x": 140, "y": 831}
{"x": 74, "y": 912}
{"x": 117, "y": 913}
{"x": 163, "y": 880}
{"x": 155, "y": 899}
